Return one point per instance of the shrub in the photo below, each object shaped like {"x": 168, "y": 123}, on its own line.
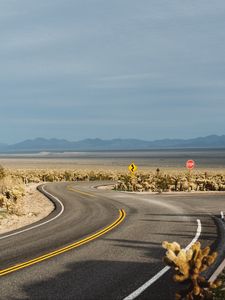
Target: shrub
{"x": 163, "y": 182}
{"x": 188, "y": 266}
{"x": 2, "y": 172}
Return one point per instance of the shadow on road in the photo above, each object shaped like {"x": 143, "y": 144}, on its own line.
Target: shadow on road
{"x": 110, "y": 280}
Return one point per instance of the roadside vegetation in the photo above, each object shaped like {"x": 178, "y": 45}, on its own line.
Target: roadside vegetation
{"x": 188, "y": 266}
{"x": 51, "y": 175}
{"x": 159, "y": 181}
{"x": 146, "y": 181}
{"x": 11, "y": 190}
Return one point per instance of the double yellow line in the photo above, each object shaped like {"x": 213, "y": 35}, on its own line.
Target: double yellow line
{"x": 88, "y": 239}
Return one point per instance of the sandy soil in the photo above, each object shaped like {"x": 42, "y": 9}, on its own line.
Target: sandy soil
{"x": 104, "y": 164}
{"x": 33, "y": 207}
{"x": 105, "y": 187}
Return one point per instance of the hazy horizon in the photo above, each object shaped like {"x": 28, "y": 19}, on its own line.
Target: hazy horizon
{"x": 205, "y": 159}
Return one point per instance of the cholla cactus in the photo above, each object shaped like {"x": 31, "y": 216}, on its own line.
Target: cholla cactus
{"x": 142, "y": 181}
{"x": 188, "y": 266}
{"x": 55, "y": 175}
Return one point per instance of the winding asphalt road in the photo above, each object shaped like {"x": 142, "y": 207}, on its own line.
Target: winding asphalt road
{"x": 119, "y": 261}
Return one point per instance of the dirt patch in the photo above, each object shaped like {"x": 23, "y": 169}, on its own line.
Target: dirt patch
{"x": 105, "y": 187}
{"x": 31, "y": 208}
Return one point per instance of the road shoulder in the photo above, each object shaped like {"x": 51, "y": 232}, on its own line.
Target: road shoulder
{"x": 31, "y": 208}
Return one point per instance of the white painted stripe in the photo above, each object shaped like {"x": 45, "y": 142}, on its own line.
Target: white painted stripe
{"x": 222, "y": 215}
{"x": 146, "y": 285}
{"x": 217, "y": 272}
{"x": 197, "y": 235}
{"x": 41, "y": 224}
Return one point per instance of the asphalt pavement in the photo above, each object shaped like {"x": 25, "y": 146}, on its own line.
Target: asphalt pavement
{"x": 114, "y": 264}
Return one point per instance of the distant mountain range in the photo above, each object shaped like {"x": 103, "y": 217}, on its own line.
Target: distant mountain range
{"x": 60, "y": 145}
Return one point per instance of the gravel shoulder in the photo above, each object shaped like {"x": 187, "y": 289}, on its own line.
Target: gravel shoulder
{"x": 31, "y": 208}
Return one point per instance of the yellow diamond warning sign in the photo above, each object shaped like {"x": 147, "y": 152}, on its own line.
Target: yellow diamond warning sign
{"x": 132, "y": 168}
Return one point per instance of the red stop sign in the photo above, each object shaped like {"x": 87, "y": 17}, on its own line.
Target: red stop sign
{"x": 190, "y": 164}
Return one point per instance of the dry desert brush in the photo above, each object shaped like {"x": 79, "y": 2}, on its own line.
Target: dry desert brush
{"x": 11, "y": 189}
{"x": 188, "y": 266}
{"x": 170, "y": 182}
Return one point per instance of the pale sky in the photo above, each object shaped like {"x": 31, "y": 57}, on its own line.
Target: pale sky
{"x": 147, "y": 69}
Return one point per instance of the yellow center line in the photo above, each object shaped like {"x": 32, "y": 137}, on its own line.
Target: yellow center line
{"x": 77, "y": 244}
{"x": 80, "y": 192}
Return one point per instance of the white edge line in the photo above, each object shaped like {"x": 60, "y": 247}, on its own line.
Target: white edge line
{"x": 41, "y": 224}
{"x": 217, "y": 272}
{"x": 141, "y": 289}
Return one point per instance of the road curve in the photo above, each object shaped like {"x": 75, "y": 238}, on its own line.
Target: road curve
{"x": 115, "y": 264}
